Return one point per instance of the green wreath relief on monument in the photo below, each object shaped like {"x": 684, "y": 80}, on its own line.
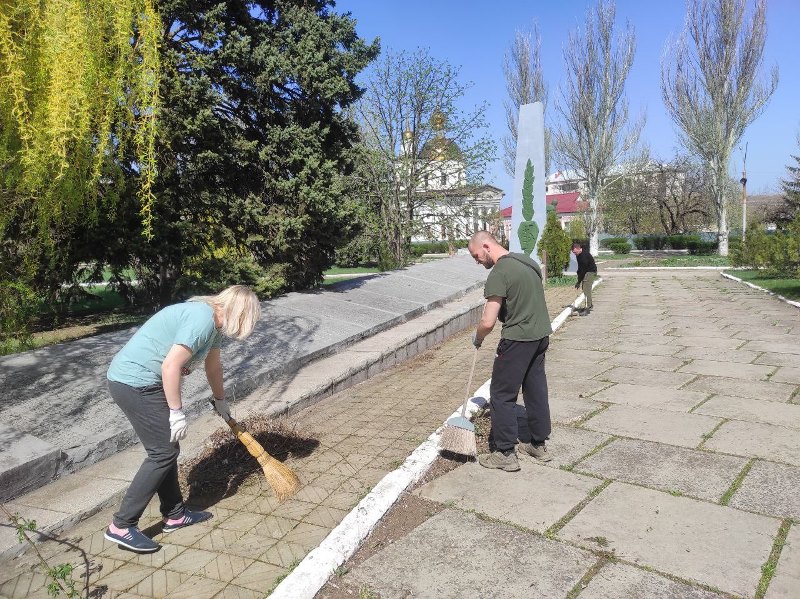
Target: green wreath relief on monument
{"x": 528, "y": 231}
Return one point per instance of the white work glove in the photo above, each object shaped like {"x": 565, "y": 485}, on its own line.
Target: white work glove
{"x": 475, "y": 341}
{"x": 222, "y": 408}
{"x": 178, "y": 427}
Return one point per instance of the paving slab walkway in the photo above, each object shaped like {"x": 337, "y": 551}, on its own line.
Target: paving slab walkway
{"x": 663, "y": 500}
{"x": 359, "y": 434}
{"x": 676, "y": 460}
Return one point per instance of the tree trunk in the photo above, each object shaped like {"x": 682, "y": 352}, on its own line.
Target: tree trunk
{"x": 594, "y": 226}
{"x": 718, "y": 181}
{"x": 722, "y": 229}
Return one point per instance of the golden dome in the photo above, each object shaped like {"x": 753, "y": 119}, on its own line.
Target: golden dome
{"x": 438, "y": 120}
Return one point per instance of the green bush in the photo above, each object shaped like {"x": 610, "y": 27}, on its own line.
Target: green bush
{"x": 755, "y": 251}
{"x": 777, "y": 253}
{"x": 650, "y": 242}
{"x": 698, "y": 247}
{"x": 418, "y": 248}
{"x": 555, "y": 241}
{"x": 18, "y": 306}
{"x": 679, "y": 242}
{"x": 621, "y": 247}
{"x": 576, "y": 229}
{"x": 609, "y": 241}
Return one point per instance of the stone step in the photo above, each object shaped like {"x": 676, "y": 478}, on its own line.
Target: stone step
{"x": 65, "y": 419}
{"x": 26, "y": 462}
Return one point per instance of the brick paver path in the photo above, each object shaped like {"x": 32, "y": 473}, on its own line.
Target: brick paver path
{"x": 676, "y": 448}
{"x": 252, "y": 541}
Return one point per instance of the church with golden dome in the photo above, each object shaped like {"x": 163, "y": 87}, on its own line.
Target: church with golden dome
{"x": 447, "y": 205}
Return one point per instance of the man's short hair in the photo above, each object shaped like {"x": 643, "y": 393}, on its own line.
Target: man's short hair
{"x": 481, "y": 237}
{"x": 576, "y": 244}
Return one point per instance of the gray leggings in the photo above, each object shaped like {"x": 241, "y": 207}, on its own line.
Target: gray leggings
{"x": 147, "y": 409}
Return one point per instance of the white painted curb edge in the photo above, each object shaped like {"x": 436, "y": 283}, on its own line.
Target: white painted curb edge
{"x": 668, "y": 268}
{"x": 305, "y": 581}
{"x": 780, "y": 297}
{"x": 561, "y": 318}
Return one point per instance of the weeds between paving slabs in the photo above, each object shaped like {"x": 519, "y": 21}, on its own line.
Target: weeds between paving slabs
{"x": 225, "y": 465}
{"x": 409, "y": 512}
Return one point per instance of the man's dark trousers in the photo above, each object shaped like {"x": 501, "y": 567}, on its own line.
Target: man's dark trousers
{"x": 519, "y": 364}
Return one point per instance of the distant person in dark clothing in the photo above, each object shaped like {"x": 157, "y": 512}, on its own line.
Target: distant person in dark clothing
{"x": 587, "y": 273}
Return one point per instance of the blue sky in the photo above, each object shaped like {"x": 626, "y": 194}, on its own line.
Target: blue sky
{"x": 476, "y": 35}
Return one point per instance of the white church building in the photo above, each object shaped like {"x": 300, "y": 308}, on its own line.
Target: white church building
{"x": 446, "y": 206}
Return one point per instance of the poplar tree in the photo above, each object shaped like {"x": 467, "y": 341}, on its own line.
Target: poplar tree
{"x": 711, "y": 87}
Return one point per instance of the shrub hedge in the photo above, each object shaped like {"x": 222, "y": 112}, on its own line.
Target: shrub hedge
{"x": 777, "y": 253}
{"x": 609, "y": 241}
{"x": 620, "y": 247}
{"x": 694, "y": 243}
{"x": 435, "y": 247}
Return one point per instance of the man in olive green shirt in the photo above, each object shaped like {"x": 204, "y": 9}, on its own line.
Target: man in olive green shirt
{"x": 514, "y": 295}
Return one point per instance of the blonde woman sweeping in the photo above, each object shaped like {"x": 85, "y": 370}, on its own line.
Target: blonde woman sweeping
{"x": 145, "y": 381}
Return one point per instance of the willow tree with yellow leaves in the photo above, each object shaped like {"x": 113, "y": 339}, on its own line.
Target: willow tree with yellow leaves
{"x": 79, "y": 101}
{"x": 79, "y": 88}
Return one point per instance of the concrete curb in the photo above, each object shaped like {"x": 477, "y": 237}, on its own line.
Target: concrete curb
{"x": 767, "y": 291}
{"x": 305, "y": 581}
{"x": 75, "y": 497}
{"x": 669, "y": 268}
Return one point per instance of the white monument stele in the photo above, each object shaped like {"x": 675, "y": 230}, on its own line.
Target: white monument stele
{"x": 529, "y": 211}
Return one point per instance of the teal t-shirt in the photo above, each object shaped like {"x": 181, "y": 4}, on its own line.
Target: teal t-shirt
{"x": 138, "y": 363}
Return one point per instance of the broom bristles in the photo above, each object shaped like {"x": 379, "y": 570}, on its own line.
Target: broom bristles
{"x": 280, "y": 477}
{"x": 459, "y": 440}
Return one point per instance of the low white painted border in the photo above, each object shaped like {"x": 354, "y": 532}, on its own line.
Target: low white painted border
{"x": 669, "y": 268}
{"x": 780, "y": 297}
{"x": 312, "y": 573}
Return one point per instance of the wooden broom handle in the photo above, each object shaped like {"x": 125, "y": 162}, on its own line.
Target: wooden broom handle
{"x": 469, "y": 383}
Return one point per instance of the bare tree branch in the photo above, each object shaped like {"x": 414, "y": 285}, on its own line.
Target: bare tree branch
{"x": 594, "y": 134}
{"x": 525, "y": 83}
{"x": 710, "y": 86}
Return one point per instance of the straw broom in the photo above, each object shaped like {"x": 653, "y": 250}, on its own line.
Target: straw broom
{"x": 458, "y": 435}
{"x": 281, "y": 478}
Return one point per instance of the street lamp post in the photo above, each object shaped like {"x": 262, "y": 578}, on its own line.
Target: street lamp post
{"x": 743, "y": 181}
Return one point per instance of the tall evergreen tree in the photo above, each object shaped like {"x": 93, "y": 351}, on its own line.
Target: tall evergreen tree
{"x": 253, "y": 145}
{"x": 791, "y": 188}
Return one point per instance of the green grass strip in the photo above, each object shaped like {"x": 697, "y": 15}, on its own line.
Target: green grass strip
{"x": 595, "y": 450}
{"x": 592, "y": 414}
{"x": 785, "y": 286}
{"x": 586, "y": 578}
{"x": 768, "y": 569}
{"x": 551, "y": 532}
{"x": 726, "y": 498}
{"x": 709, "y": 434}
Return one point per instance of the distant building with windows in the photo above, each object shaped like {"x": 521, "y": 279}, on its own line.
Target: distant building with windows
{"x": 562, "y": 189}
{"x": 448, "y": 207}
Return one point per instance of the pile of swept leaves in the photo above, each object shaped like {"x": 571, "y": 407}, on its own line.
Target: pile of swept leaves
{"x": 224, "y": 465}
